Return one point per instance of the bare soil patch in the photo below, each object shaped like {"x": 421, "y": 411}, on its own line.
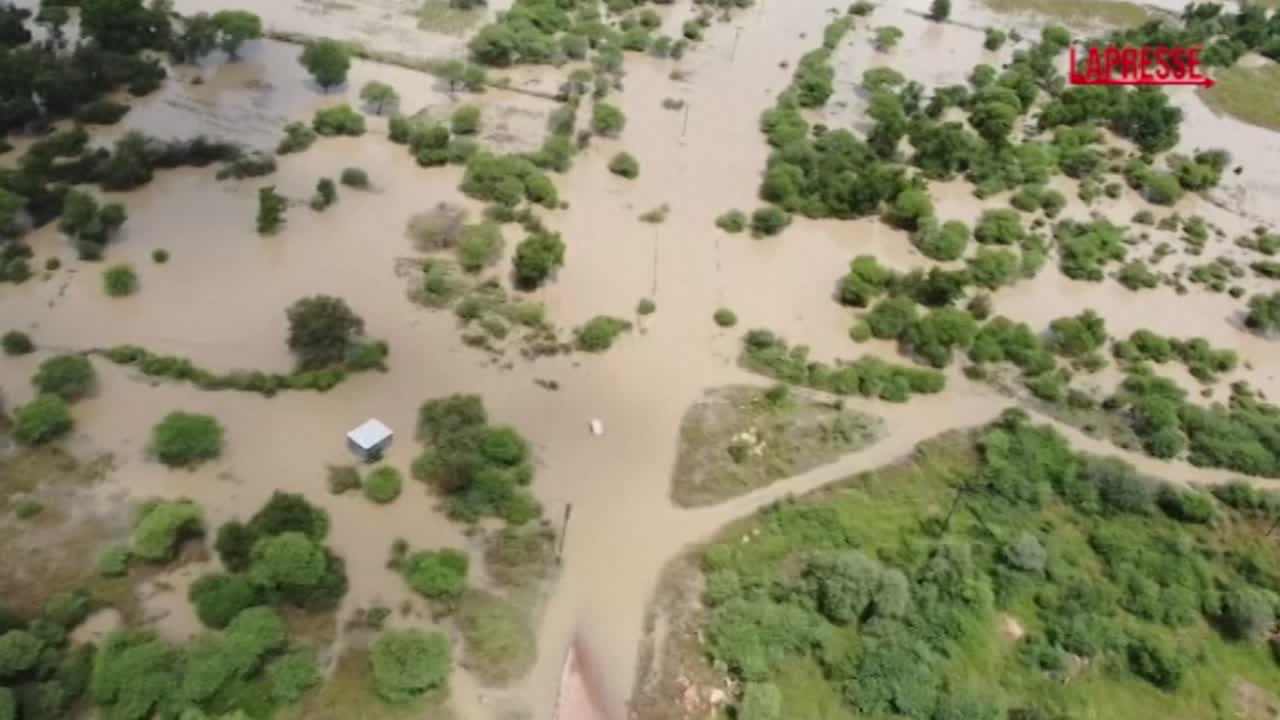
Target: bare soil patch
{"x": 739, "y": 438}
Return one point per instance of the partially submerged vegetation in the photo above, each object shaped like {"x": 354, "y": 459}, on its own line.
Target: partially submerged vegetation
{"x": 738, "y": 438}
{"x": 989, "y": 576}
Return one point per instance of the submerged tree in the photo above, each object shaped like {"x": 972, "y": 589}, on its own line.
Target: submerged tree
{"x": 235, "y": 28}
{"x": 379, "y": 95}
{"x": 940, "y": 10}
{"x": 322, "y": 329}
{"x": 328, "y": 62}
{"x": 271, "y": 207}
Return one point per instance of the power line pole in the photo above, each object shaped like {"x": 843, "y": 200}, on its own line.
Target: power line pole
{"x": 564, "y": 532}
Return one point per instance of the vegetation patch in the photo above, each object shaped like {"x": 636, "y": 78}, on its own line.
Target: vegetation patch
{"x": 893, "y": 593}
{"x": 739, "y": 438}
{"x": 869, "y": 376}
{"x": 450, "y": 17}
{"x": 1251, "y": 94}
{"x": 499, "y": 645}
{"x": 1109, "y": 12}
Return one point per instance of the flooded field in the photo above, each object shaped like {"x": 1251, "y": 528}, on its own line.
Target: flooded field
{"x": 221, "y": 297}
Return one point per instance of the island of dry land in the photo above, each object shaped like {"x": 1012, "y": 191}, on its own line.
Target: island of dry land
{"x": 941, "y": 388}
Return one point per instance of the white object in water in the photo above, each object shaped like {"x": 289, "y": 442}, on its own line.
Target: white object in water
{"x": 370, "y": 437}
{"x": 597, "y": 427}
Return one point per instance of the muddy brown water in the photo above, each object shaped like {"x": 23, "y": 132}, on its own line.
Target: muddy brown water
{"x": 220, "y": 300}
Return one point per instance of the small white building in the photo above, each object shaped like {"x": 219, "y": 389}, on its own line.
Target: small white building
{"x": 370, "y": 439}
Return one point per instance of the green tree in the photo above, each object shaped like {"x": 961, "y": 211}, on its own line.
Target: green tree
{"x": 999, "y": 227}
{"x": 19, "y": 651}
{"x": 124, "y": 26}
{"x": 198, "y": 38}
{"x": 382, "y": 484}
{"x": 133, "y": 673}
{"x": 624, "y": 164}
{"x": 1078, "y": 335}
{"x": 607, "y": 119}
{"x": 16, "y": 342}
{"x": 408, "y": 663}
{"x": 465, "y": 120}
{"x": 288, "y": 561}
{"x": 911, "y": 208}
{"x": 380, "y": 95}
{"x": 271, "y": 207}
{"x": 235, "y": 28}
{"x": 891, "y": 317}
{"x": 322, "y": 331}
{"x": 163, "y": 527}
{"x": 537, "y": 257}
{"x": 1247, "y": 613}
{"x": 1264, "y": 313}
{"x": 219, "y": 597}
{"x": 945, "y": 242}
{"x": 439, "y": 575}
{"x": 43, "y": 419}
{"x": 328, "y": 62}
{"x": 940, "y": 10}
{"x": 70, "y": 376}
{"x": 184, "y": 439}
{"x": 119, "y": 280}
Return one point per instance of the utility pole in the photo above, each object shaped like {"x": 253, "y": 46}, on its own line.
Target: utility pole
{"x": 734, "y": 51}
{"x": 564, "y": 532}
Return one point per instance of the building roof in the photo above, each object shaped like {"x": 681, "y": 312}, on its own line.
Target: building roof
{"x": 370, "y": 434}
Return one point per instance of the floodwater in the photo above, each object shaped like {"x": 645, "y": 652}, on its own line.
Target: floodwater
{"x": 220, "y": 300}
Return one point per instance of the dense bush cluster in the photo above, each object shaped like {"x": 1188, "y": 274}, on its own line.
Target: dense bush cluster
{"x": 408, "y": 663}
{"x": 1203, "y": 360}
{"x": 599, "y": 333}
{"x": 163, "y": 526}
{"x": 481, "y": 468}
{"x": 888, "y": 592}
{"x": 280, "y": 552}
{"x": 436, "y": 574}
{"x": 766, "y": 353}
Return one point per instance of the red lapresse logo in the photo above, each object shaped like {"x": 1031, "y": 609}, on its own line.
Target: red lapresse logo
{"x": 1146, "y": 65}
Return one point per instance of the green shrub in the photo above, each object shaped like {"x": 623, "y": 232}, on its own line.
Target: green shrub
{"x": 160, "y": 256}
{"x": 725, "y": 318}
{"x": 119, "y": 281}
{"x": 537, "y": 257}
{"x": 598, "y": 333}
{"x": 297, "y": 137}
{"x": 184, "y": 439}
{"x": 291, "y": 675}
{"x": 219, "y": 597}
{"x": 645, "y": 307}
{"x": 607, "y": 119}
{"x": 733, "y": 221}
{"x": 293, "y": 566}
{"x": 134, "y": 672}
{"x": 942, "y": 242}
{"x": 465, "y": 120}
{"x": 25, "y": 506}
{"x": 19, "y": 651}
{"x": 1151, "y": 658}
{"x": 354, "y": 177}
{"x": 382, "y": 484}
{"x": 114, "y": 561}
{"x": 768, "y": 221}
{"x": 338, "y": 120}
{"x": 259, "y": 629}
{"x": 326, "y": 194}
{"x": 70, "y": 376}
{"x": 995, "y": 39}
{"x": 439, "y": 575}
{"x": 625, "y": 165}
{"x": 162, "y": 527}
{"x": 407, "y": 663}
{"x": 42, "y": 420}
{"x": 479, "y": 246}
{"x": 16, "y": 342}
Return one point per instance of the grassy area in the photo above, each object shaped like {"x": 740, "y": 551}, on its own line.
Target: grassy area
{"x": 498, "y": 641}
{"x": 439, "y": 16}
{"x": 520, "y": 557}
{"x": 1109, "y": 12}
{"x": 740, "y": 438}
{"x": 989, "y": 573}
{"x": 1250, "y": 94}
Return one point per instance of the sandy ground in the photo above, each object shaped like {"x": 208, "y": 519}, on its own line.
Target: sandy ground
{"x": 221, "y": 300}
